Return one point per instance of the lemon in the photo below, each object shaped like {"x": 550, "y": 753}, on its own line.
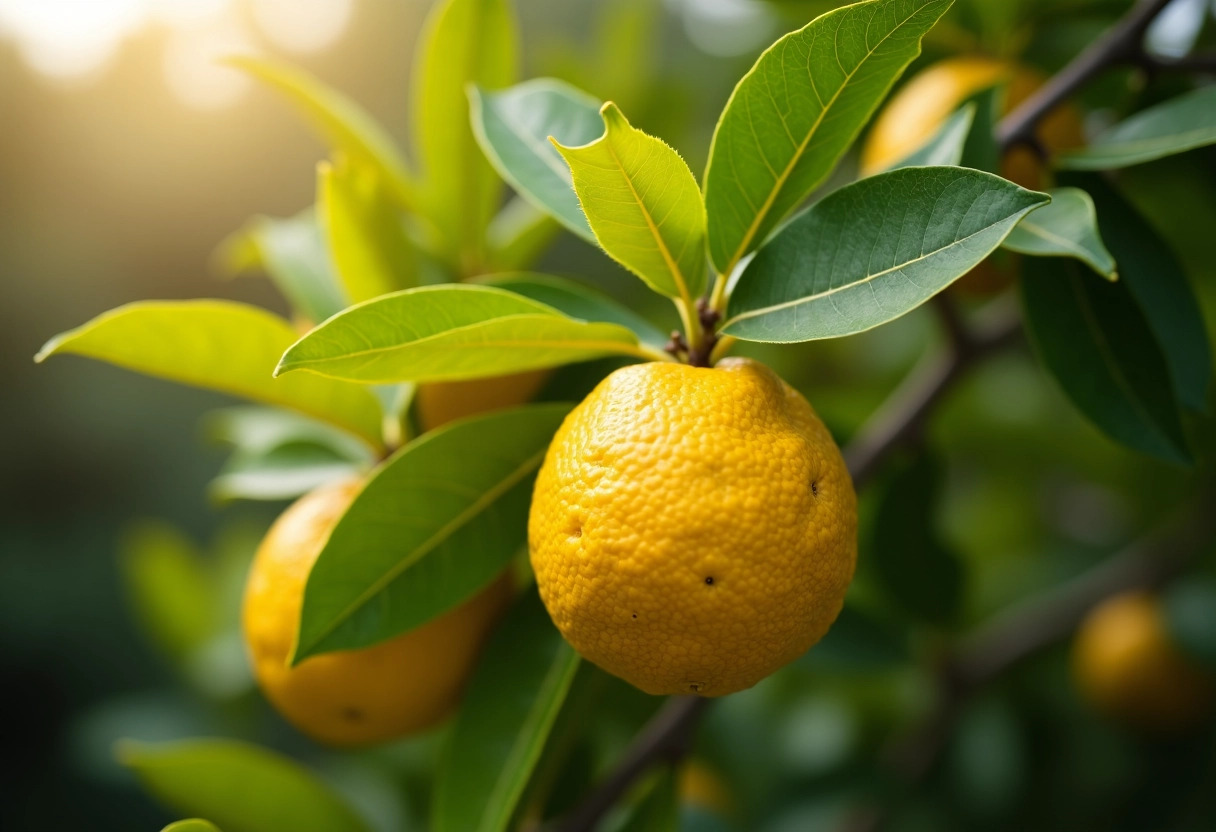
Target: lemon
{"x": 355, "y": 697}
{"x": 693, "y": 529}
{"x": 446, "y": 401}
{"x": 701, "y": 787}
{"x": 1127, "y": 666}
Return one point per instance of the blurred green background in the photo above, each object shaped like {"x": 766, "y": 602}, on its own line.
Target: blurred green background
{"x": 126, "y": 155}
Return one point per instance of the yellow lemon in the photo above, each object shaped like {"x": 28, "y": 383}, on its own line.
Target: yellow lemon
{"x": 916, "y": 111}
{"x": 398, "y": 687}
{"x": 447, "y": 401}
{"x": 1127, "y": 666}
{"x": 693, "y": 529}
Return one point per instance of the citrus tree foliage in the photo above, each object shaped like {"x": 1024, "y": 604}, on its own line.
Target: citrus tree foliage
{"x": 411, "y": 270}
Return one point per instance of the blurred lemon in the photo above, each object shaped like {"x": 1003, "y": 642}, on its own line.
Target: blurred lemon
{"x": 447, "y": 401}
{"x": 701, "y": 787}
{"x": 693, "y": 529}
{"x": 920, "y": 107}
{"x": 354, "y": 697}
{"x": 1127, "y": 666}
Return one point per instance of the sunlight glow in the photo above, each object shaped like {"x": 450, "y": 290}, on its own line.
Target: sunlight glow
{"x": 302, "y": 25}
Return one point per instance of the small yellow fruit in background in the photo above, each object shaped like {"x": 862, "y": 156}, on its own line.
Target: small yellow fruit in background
{"x": 920, "y": 107}
{"x": 354, "y": 697}
{"x": 446, "y": 401}
{"x": 693, "y": 529}
{"x": 1127, "y": 667}
{"x": 701, "y": 787}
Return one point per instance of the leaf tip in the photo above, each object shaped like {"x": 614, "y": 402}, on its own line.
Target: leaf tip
{"x": 49, "y": 348}
{"x": 612, "y": 115}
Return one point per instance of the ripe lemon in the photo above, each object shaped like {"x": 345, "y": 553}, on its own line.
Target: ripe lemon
{"x": 363, "y": 696}
{"x": 447, "y": 401}
{"x": 692, "y": 529}
{"x": 1126, "y": 666}
{"x": 916, "y": 111}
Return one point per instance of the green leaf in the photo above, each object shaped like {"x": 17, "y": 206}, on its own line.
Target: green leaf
{"x": 513, "y": 127}
{"x": 796, "y": 112}
{"x": 219, "y": 345}
{"x": 858, "y": 641}
{"x": 452, "y": 332}
{"x": 872, "y": 251}
{"x": 191, "y": 825}
{"x": 577, "y": 301}
{"x": 915, "y": 568}
{"x": 341, "y": 122}
{"x": 981, "y": 150}
{"x": 260, "y": 430}
{"x": 434, "y": 524}
{"x": 508, "y": 713}
{"x": 944, "y": 147}
{"x": 1180, "y": 124}
{"x": 1190, "y": 614}
{"x": 1067, "y": 227}
{"x": 518, "y": 235}
{"x": 371, "y": 253}
{"x": 659, "y": 810}
{"x": 1152, "y": 274}
{"x": 292, "y": 253}
{"x": 1093, "y": 338}
{"x": 170, "y": 589}
{"x": 242, "y": 787}
{"x": 643, "y": 204}
{"x": 282, "y": 473}
{"x": 463, "y": 42}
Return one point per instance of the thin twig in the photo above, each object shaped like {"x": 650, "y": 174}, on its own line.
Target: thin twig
{"x": 1122, "y": 43}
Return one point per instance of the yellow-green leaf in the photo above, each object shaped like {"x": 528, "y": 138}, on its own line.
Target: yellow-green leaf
{"x": 464, "y": 42}
{"x": 218, "y": 345}
{"x": 342, "y": 123}
{"x": 367, "y": 240}
{"x": 643, "y": 204}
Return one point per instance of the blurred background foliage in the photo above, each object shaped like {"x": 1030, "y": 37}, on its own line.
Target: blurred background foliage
{"x": 126, "y": 155}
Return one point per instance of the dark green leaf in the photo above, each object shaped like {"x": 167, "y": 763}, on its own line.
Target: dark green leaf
{"x": 1152, "y": 274}
{"x": 463, "y": 42}
{"x": 1094, "y": 339}
{"x": 241, "y": 787}
{"x": 1180, "y": 124}
{"x": 858, "y": 641}
{"x": 796, "y": 112}
{"x": 873, "y": 251}
{"x": 341, "y": 122}
{"x": 370, "y": 251}
{"x": 577, "y": 301}
{"x": 659, "y": 810}
{"x": 643, "y": 204}
{"x": 449, "y": 333}
{"x": 514, "y": 126}
{"x": 1068, "y": 227}
{"x": 980, "y": 150}
{"x": 218, "y": 345}
{"x": 169, "y": 588}
{"x": 513, "y": 701}
{"x": 915, "y": 568}
{"x": 1190, "y": 613}
{"x": 435, "y": 523}
{"x": 292, "y": 253}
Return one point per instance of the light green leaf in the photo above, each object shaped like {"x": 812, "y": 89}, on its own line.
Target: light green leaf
{"x": 577, "y": 301}
{"x": 519, "y": 234}
{"x": 873, "y": 251}
{"x": 371, "y": 253}
{"x": 944, "y": 147}
{"x": 219, "y": 345}
{"x": 343, "y": 124}
{"x": 260, "y": 430}
{"x": 513, "y": 127}
{"x": 191, "y": 825}
{"x": 1150, "y": 270}
{"x": 796, "y": 112}
{"x": 170, "y": 589}
{"x": 1175, "y": 126}
{"x": 435, "y": 523}
{"x": 643, "y": 204}
{"x": 508, "y": 713}
{"x": 1066, "y": 227}
{"x": 292, "y": 253}
{"x": 1095, "y": 341}
{"x": 452, "y": 332}
{"x": 242, "y": 787}
{"x": 283, "y": 473}
{"x": 463, "y": 42}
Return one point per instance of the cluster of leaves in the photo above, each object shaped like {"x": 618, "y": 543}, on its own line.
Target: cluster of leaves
{"x": 407, "y": 276}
